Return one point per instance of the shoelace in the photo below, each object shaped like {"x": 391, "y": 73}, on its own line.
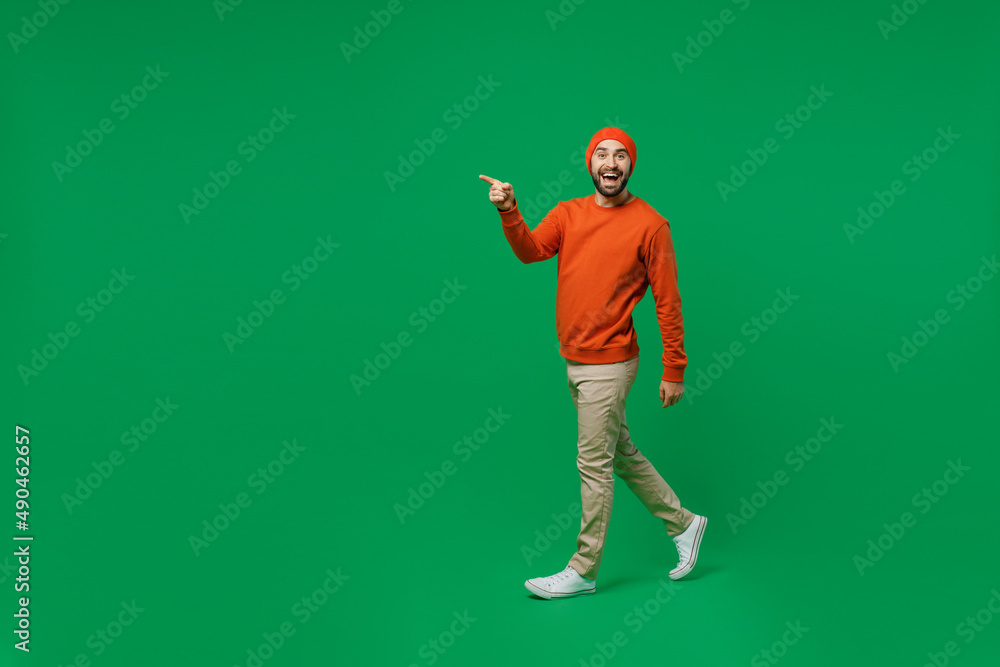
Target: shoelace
{"x": 556, "y": 578}
{"x": 682, "y": 549}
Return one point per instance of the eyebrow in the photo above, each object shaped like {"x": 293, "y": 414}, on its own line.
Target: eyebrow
{"x": 608, "y": 150}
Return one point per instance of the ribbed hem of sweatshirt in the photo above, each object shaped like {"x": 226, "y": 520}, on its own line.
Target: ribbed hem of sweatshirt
{"x": 615, "y": 354}
{"x": 608, "y": 355}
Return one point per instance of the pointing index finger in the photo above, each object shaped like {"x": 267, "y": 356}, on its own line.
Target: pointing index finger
{"x": 491, "y": 181}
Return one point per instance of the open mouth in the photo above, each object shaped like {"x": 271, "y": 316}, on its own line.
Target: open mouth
{"x": 610, "y": 177}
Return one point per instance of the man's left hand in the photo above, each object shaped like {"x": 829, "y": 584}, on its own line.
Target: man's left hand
{"x": 670, "y": 392}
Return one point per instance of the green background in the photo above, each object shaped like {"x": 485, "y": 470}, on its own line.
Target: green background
{"x": 464, "y": 551}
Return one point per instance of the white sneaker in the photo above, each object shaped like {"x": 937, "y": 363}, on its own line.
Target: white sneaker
{"x": 687, "y": 547}
{"x": 566, "y": 584}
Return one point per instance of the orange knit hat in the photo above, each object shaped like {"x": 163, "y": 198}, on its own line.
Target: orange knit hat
{"x": 611, "y": 133}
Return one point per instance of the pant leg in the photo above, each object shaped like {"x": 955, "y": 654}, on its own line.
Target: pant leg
{"x": 598, "y": 392}
{"x": 647, "y": 484}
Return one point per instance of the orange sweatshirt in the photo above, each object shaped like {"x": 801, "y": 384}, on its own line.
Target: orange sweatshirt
{"x": 607, "y": 258}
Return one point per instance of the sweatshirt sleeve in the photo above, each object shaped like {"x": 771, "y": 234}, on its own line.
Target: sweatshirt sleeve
{"x": 532, "y": 245}
{"x": 661, "y": 268}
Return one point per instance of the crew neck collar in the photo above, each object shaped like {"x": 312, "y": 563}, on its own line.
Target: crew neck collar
{"x": 593, "y": 202}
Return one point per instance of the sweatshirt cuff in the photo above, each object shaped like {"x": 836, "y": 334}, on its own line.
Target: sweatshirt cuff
{"x": 672, "y": 374}
{"x": 507, "y": 217}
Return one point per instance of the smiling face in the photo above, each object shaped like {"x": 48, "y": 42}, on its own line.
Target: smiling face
{"x": 610, "y": 167}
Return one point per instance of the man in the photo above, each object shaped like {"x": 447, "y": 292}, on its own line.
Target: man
{"x": 611, "y": 246}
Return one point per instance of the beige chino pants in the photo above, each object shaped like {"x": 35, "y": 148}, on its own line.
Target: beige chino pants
{"x": 605, "y": 448}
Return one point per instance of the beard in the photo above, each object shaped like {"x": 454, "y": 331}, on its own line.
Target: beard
{"x": 610, "y": 190}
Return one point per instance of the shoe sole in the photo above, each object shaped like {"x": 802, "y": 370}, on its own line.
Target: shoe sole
{"x": 549, "y": 596}
{"x": 683, "y": 572}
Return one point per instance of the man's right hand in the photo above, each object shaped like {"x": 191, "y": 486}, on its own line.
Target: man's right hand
{"x": 501, "y": 194}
